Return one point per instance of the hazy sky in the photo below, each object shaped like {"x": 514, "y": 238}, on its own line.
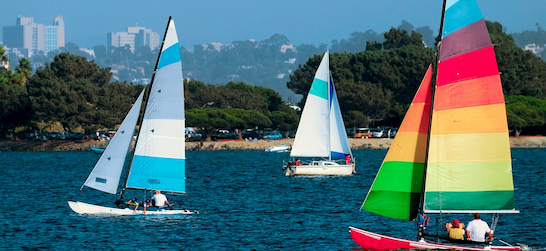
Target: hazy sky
{"x": 224, "y": 21}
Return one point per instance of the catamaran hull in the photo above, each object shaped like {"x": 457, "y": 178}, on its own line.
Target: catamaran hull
{"x": 320, "y": 170}
{"x": 369, "y": 240}
{"x": 85, "y": 208}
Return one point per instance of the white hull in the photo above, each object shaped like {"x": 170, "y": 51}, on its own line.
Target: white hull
{"x": 320, "y": 168}
{"x": 85, "y": 208}
{"x": 282, "y": 148}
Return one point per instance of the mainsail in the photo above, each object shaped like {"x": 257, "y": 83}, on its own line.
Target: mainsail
{"x": 469, "y": 165}
{"x": 464, "y": 159}
{"x": 321, "y": 132}
{"x": 159, "y": 158}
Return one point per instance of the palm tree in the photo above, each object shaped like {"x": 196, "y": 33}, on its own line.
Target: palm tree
{"x": 3, "y": 57}
{"x": 24, "y": 69}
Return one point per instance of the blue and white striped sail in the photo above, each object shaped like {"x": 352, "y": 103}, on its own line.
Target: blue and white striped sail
{"x": 321, "y": 132}
{"x": 107, "y": 172}
{"x": 159, "y": 158}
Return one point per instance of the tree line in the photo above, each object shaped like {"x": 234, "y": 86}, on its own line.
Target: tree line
{"x": 374, "y": 87}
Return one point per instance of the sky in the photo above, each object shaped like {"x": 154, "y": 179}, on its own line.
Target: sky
{"x": 301, "y": 21}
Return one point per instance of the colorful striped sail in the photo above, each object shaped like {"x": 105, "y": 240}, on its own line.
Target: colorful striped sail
{"x": 321, "y": 132}
{"x": 397, "y": 188}
{"x": 159, "y": 158}
{"x": 469, "y": 165}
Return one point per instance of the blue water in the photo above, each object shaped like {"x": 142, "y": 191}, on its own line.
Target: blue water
{"x": 245, "y": 203}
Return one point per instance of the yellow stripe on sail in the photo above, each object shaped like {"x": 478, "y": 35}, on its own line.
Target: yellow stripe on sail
{"x": 480, "y": 147}
{"x": 468, "y": 177}
{"x": 408, "y": 147}
{"x": 476, "y": 119}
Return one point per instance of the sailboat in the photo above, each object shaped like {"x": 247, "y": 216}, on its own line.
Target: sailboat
{"x": 321, "y": 133}
{"x": 452, "y": 151}
{"x": 157, "y": 157}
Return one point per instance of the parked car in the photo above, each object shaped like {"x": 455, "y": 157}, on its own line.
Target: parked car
{"x": 193, "y": 136}
{"x": 223, "y": 134}
{"x": 376, "y": 133}
{"x": 273, "y": 135}
{"x": 363, "y": 133}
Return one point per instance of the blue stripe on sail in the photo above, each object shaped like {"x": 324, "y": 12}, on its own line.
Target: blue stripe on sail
{"x": 319, "y": 88}
{"x": 338, "y": 155}
{"x": 165, "y": 174}
{"x": 169, "y": 56}
{"x": 461, "y": 14}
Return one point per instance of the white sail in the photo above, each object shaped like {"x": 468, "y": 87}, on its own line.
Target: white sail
{"x": 159, "y": 158}
{"x": 106, "y": 173}
{"x": 339, "y": 143}
{"x": 313, "y": 134}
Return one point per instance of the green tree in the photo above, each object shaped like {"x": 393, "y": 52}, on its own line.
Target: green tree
{"x": 67, "y": 90}
{"x": 24, "y": 69}
{"x": 14, "y": 102}
{"x": 525, "y": 111}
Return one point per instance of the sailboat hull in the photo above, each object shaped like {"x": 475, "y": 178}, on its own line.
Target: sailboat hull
{"x": 320, "y": 168}
{"x": 369, "y": 240}
{"x": 85, "y": 208}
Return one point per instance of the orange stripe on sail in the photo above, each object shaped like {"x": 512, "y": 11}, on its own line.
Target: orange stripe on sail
{"x": 474, "y": 92}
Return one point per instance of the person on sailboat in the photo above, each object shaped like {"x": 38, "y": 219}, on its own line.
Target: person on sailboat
{"x": 455, "y": 230}
{"x": 133, "y": 202}
{"x": 477, "y": 229}
{"x": 298, "y": 162}
{"x": 159, "y": 200}
{"x": 348, "y": 161}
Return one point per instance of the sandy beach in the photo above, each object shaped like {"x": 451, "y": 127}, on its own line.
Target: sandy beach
{"x": 84, "y": 145}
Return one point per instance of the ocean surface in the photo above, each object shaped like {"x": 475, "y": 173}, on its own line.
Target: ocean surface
{"x": 245, "y": 203}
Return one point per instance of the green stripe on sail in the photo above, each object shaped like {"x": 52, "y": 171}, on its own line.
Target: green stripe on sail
{"x": 319, "y": 88}
{"x": 396, "y": 190}
{"x": 483, "y": 200}
{"x": 399, "y": 205}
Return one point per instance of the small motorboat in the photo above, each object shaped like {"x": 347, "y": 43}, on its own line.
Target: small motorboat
{"x": 282, "y": 148}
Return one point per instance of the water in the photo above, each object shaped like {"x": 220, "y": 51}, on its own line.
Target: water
{"x": 245, "y": 203}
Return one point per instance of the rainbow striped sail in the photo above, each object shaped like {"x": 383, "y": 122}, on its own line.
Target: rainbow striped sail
{"x": 464, "y": 160}
{"x": 396, "y": 190}
{"x": 159, "y": 158}
{"x": 469, "y": 164}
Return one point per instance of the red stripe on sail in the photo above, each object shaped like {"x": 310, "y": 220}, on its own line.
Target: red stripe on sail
{"x": 472, "y": 65}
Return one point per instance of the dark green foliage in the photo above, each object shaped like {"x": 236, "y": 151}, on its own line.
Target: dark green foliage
{"x": 379, "y": 84}
{"x": 76, "y": 93}
{"x": 210, "y": 118}
{"x": 525, "y": 111}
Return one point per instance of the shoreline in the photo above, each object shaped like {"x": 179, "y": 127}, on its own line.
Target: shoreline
{"x": 229, "y": 145}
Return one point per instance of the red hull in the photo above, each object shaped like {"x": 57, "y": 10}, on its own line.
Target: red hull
{"x": 369, "y": 240}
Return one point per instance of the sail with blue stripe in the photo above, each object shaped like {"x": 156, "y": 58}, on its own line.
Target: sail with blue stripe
{"x": 321, "y": 132}
{"x": 159, "y": 158}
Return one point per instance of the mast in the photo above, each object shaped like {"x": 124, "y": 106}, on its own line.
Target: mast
{"x": 144, "y": 104}
{"x": 330, "y": 86}
{"x": 433, "y": 86}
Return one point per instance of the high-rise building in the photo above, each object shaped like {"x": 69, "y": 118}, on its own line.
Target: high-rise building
{"x": 31, "y": 37}
{"x": 135, "y": 37}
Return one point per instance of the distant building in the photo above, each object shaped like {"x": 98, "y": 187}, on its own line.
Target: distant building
{"x": 135, "y": 37}
{"x": 30, "y": 38}
{"x": 534, "y": 48}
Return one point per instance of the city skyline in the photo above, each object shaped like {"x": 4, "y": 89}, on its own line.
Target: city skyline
{"x": 302, "y": 22}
